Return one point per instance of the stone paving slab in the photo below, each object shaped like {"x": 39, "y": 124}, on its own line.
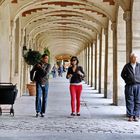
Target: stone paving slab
{"x": 99, "y": 119}
{"x": 69, "y": 136}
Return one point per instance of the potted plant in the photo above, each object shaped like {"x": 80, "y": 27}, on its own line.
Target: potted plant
{"x": 31, "y": 58}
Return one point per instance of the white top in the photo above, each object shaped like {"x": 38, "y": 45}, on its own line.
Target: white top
{"x": 134, "y": 66}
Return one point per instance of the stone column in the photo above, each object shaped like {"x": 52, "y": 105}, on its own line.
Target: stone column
{"x": 80, "y": 58}
{"x": 106, "y": 63}
{"x": 95, "y": 66}
{"x": 85, "y": 64}
{"x": 16, "y": 46}
{"x": 115, "y": 80}
{"x": 91, "y": 65}
{"x": 5, "y": 43}
{"x": 11, "y": 66}
{"x": 88, "y": 64}
{"x": 25, "y": 66}
{"x": 127, "y": 17}
{"x": 83, "y": 59}
{"x": 100, "y": 62}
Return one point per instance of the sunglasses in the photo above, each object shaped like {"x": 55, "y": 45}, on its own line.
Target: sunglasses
{"x": 73, "y": 60}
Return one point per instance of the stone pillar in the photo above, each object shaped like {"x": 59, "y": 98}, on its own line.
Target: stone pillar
{"x": 100, "y": 62}
{"x": 25, "y": 66}
{"x": 11, "y": 66}
{"x": 5, "y": 42}
{"x": 83, "y": 59}
{"x": 110, "y": 63}
{"x": 115, "y": 80}
{"x": 106, "y": 63}
{"x": 95, "y": 66}
{"x": 80, "y": 58}
{"x": 85, "y": 64}
{"x": 88, "y": 64}
{"x": 91, "y": 65}
{"x": 16, "y": 46}
{"x": 127, "y": 17}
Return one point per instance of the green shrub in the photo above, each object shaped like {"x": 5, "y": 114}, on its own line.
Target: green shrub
{"x": 32, "y": 57}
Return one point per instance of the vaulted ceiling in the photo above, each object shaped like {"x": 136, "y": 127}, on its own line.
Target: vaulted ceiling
{"x": 64, "y": 26}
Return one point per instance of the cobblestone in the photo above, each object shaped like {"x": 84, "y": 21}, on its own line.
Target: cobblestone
{"x": 97, "y": 115}
{"x": 68, "y": 125}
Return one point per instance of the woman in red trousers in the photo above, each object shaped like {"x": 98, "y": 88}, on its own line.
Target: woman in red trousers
{"x": 75, "y": 74}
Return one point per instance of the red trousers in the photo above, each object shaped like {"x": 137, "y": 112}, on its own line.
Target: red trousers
{"x": 75, "y": 92}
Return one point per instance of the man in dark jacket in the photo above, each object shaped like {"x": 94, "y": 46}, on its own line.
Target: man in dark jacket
{"x": 131, "y": 76}
{"x": 41, "y": 72}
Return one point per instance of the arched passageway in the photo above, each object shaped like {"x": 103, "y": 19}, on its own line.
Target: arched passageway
{"x": 98, "y": 32}
{"x": 101, "y": 33}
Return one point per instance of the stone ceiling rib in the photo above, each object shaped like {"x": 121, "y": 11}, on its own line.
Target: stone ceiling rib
{"x": 60, "y": 15}
{"x": 53, "y": 34}
{"x": 14, "y": 1}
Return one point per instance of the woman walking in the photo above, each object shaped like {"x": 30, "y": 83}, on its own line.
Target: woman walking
{"x": 75, "y": 74}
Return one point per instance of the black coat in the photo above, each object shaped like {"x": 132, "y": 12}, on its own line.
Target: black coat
{"x": 128, "y": 75}
{"x": 76, "y": 78}
{"x": 40, "y": 74}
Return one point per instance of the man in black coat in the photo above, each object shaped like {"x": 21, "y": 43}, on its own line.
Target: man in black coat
{"x": 131, "y": 76}
{"x": 41, "y": 72}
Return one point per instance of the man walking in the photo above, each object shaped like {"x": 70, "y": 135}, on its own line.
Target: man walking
{"x": 131, "y": 76}
{"x": 41, "y": 71}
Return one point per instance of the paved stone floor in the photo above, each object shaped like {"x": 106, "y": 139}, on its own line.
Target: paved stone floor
{"x": 99, "y": 120}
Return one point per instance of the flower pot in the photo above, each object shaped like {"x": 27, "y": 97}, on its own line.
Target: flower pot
{"x": 32, "y": 89}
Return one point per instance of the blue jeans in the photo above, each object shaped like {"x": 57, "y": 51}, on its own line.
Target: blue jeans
{"x": 41, "y": 97}
{"x": 132, "y": 97}
{"x": 54, "y": 74}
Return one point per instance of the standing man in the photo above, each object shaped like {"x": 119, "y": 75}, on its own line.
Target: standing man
{"x": 131, "y": 76}
{"x": 41, "y": 72}
{"x": 54, "y": 71}
{"x": 60, "y": 70}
